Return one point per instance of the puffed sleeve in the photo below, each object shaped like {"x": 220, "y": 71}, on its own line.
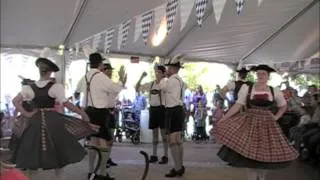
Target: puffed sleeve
{"x": 57, "y": 92}
{"x": 279, "y": 98}
{"x": 27, "y": 93}
{"x": 242, "y": 94}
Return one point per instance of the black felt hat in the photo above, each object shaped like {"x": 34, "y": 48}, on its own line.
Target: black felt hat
{"x": 175, "y": 62}
{"x": 51, "y": 65}
{"x": 96, "y": 58}
{"x": 243, "y": 70}
{"x": 263, "y": 67}
{"x": 161, "y": 68}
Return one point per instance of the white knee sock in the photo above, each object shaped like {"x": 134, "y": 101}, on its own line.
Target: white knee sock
{"x": 181, "y": 154}
{"x": 252, "y": 174}
{"x": 58, "y": 173}
{"x": 104, "y": 159}
{"x": 92, "y": 158}
{"x": 262, "y": 174}
{"x": 155, "y": 141}
{"x": 165, "y": 142}
{"x": 175, "y": 156}
{"x": 31, "y": 174}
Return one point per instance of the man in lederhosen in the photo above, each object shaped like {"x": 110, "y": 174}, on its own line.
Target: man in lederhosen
{"x": 96, "y": 86}
{"x": 174, "y": 89}
{"x": 236, "y": 85}
{"x": 156, "y": 112}
{"x": 112, "y": 102}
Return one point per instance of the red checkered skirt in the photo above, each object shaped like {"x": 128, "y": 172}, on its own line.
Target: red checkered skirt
{"x": 254, "y": 134}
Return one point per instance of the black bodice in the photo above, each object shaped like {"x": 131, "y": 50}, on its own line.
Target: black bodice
{"x": 41, "y": 98}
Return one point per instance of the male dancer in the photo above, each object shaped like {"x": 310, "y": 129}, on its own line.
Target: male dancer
{"x": 174, "y": 89}
{"x": 156, "y": 112}
{"x": 112, "y": 102}
{"x": 96, "y": 87}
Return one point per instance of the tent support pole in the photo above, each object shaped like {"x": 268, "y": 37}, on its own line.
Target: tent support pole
{"x": 75, "y": 22}
{"x": 281, "y": 29}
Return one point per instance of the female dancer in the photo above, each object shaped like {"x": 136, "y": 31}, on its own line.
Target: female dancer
{"x": 50, "y": 141}
{"x": 253, "y": 139}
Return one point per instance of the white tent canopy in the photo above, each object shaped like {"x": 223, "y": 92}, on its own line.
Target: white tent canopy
{"x": 277, "y": 31}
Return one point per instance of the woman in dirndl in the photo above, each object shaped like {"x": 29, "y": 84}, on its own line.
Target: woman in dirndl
{"x": 50, "y": 139}
{"x": 253, "y": 139}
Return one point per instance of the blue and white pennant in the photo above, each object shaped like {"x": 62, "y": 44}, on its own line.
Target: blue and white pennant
{"x": 239, "y": 5}
{"x": 108, "y": 39}
{"x": 145, "y": 25}
{"x": 171, "y": 12}
{"x": 201, "y": 6}
{"x": 96, "y": 41}
{"x": 124, "y": 32}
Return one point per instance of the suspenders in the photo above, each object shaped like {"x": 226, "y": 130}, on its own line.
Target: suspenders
{"x": 158, "y": 93}
{"x": 88, "y": 88}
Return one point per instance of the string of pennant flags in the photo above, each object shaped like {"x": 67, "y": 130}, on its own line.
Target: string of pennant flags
{"x": 143, "y": 23}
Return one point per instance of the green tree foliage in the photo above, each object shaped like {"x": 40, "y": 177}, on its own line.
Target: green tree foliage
{"x": 304, "y": 80}
{"x": 192, "y": 73}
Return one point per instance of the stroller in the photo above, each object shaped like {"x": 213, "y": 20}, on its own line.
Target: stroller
{"x": 131, "y": 127}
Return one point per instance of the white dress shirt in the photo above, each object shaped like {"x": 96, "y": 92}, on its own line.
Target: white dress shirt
{"x": 154, "y": 98}
{"x": 101, "y": 87}
{"x": 278, "y": 95}
{"x": 173, "y": 89}
{"x": 56, "y": 91}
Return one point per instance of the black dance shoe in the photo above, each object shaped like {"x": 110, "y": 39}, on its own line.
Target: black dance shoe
{"x": 175, "y": 173}
{"x": 153, "y": 159}
{"x": 111, "y": 163}
{"x": 164, "y": 160}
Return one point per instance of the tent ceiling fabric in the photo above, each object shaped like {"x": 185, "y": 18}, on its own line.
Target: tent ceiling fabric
{"x": 47, "y": 22}
{"x": 35, "y": 22}
{"x": 235, "y": 35}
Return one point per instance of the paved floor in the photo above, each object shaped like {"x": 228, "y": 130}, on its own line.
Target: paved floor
{"x": 200, "y": 160}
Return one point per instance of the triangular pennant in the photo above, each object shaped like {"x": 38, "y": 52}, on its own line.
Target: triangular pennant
{"x": 185, "y": 11}
{"x": 259, "y": 3}
{"x": 108, "y": 39}
{"x": 138, "y": 29}
{"x": 145, "y": 25}
{"x": 171, "y": 11}
{"x": 200, "y": 10}
{"x": 239, "y": 5}
{"x": 218, "y": 6}
{"x": 96, "y": 41}
{"x": 125, "y": 32}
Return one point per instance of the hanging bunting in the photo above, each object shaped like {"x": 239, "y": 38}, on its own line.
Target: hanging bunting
{"x": 259, "y": 3}
{"x": 96, "y": 41}
{"x": 123, "y": 33}
{"x": 200, "y": 10}
{"x": 108, "y": 40}
{"x": 185, "y": 11}
{"x": 218, "y": 6}
{"x": 145, "y": 25}
{"x": 171, "y": 11}
{"x": 239, "y": 5}
{"x": 137, "y": 28}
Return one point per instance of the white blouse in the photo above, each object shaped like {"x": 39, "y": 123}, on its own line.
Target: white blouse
{"x": 278, "y": 95}
{"x": 56, "y": 91}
